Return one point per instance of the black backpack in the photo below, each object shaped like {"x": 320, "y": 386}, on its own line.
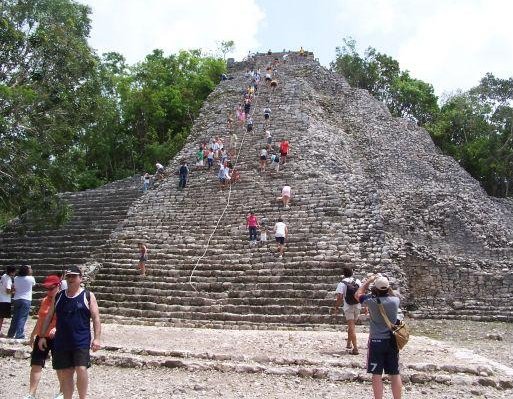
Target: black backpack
{"x": 351, "y": 288}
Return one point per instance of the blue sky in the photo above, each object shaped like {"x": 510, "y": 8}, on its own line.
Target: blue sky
{"x": 448, "y": 43}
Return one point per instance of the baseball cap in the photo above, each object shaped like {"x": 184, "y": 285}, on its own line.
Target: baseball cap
{"x": 51, "y": 281}
{"x": 381, "y": 283}
{"x": 73, "y": 270}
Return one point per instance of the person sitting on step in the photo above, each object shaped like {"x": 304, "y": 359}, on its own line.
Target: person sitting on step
{"x": 234, "y": 173}
{"x": 267, "y": 113}
{"x": 249, "y": 126}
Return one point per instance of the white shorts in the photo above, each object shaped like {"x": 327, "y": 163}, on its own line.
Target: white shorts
{"x": 352, "y": 312}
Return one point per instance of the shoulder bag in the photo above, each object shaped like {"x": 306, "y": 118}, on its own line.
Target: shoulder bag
{"x": 400, "y": 331}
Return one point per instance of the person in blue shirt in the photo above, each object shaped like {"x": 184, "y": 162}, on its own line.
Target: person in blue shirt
{"x": 383, "y": 353}
{"x": 184, "y": 174}
{"x": 74, "y": 308}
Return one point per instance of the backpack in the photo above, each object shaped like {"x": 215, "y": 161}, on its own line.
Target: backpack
{"x": 351, "y": 288}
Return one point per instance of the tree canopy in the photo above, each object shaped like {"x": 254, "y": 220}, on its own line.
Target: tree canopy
{"x": 46, "y": 98}
{"x": 381, "y": 75}
{"x": 70, "y": 119}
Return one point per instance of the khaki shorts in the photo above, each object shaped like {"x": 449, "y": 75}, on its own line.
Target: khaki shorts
{"x": 352, "y": 312}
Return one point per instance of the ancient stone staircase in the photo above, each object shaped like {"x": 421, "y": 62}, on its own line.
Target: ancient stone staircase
{"x": 369, "y": 191}
{"x": 95, "y": 214}
{"x": 235, "y": 283}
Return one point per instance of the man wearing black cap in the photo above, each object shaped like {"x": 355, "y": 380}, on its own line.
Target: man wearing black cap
{"x": 74, "y": 307}
{"x": 383, "y": 354}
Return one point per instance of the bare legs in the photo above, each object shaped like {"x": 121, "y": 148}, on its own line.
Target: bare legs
{"x": 66, "y": 380}
{"x": 377, "y": 386}
{"x": 35, "y": 376}
{"x": 281, "y": 248}
{"x": 82, "y": 381}
{"x": 351, "y": 335}
{"x": 285, "y": 200}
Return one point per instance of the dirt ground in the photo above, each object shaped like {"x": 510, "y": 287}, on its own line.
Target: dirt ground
{"x": 465, "y": 344}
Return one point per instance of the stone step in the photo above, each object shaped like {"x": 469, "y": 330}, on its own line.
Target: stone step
{"x": 336, "y": 367}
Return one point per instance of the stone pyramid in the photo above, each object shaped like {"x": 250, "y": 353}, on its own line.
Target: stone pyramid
{"x": 369, "y": 191}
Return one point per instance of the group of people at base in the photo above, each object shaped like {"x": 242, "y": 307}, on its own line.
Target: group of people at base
{"x": 15, "y": 299}
{"x": 383, "y": 353}
{"x": 63, "y": 328}
{"x": 65, "y": 314}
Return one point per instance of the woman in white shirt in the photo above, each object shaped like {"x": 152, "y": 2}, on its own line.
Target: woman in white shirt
{"x": 280, "y": 233}
{"x": 6, "y": 295}
{"x": 22, "y": 299}
{"x": 263, "y": 159}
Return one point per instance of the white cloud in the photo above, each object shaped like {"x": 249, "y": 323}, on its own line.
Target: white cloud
{"x": 134, "y": 28}
{"x": 460, "y": 43}
{"x": 450, "y": 44}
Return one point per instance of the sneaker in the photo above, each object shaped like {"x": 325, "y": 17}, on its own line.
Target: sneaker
{"x": 59, "y": 396}
{"x": 355, "y": 351}
{"x": 29, "y": 396}
{"x": 281, "y": 256}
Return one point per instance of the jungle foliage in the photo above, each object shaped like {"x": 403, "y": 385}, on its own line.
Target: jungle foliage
{"x": 71, "y": 120}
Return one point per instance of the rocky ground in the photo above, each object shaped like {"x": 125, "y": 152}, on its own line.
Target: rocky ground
{"x": 474, "y": 360}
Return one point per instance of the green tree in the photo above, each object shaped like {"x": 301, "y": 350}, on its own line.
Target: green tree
{"x": 381, "y": 75}
{"x": 226, "y": 47}
{"x": 148, "y": 110}
{"x": 45, "y": 100}
{"x": 475, "y": 127}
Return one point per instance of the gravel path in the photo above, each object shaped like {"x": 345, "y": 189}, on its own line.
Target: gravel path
{"x": 494, "y": 351}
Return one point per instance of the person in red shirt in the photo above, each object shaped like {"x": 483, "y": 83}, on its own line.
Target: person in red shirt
{"x": 284, "y": 151}
{"x": 252, "y": 225}
{"x": 38, "y": 357}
